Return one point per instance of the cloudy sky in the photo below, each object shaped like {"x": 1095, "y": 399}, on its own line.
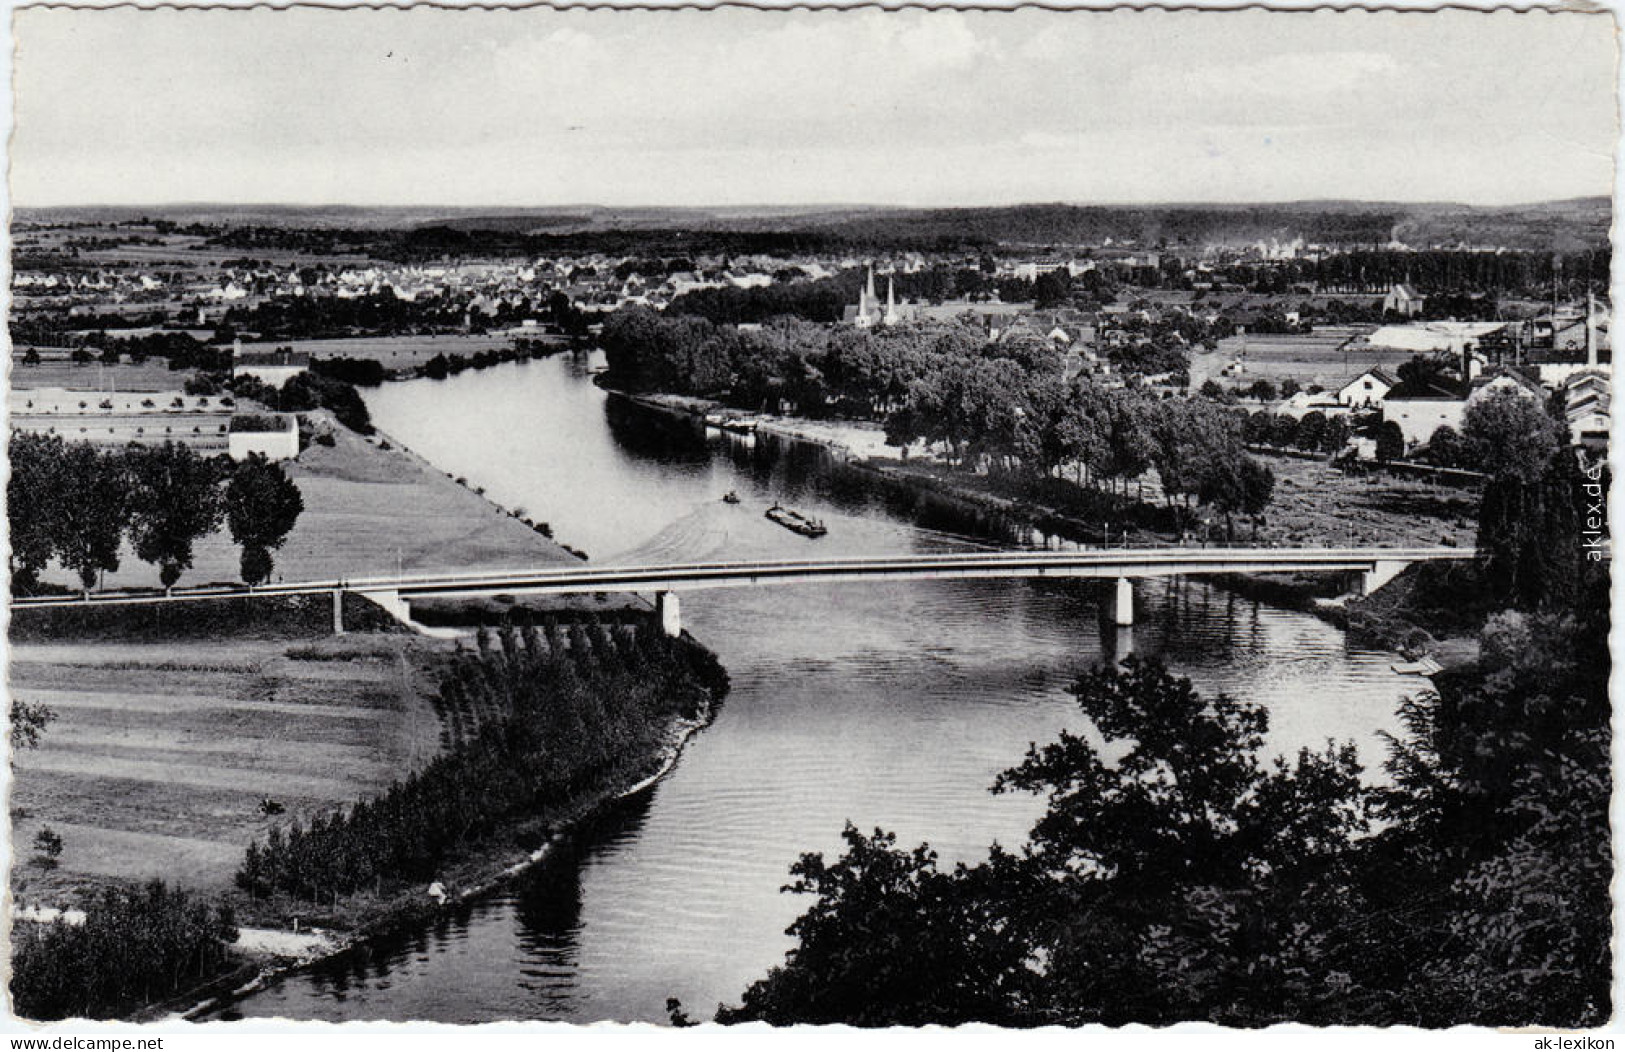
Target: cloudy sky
{"x": 745, "y": 107}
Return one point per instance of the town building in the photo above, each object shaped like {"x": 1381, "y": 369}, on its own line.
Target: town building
{"x": 1303, "y": 403}
{"x": 1421, "y": 408}
{"x": 1587, "y": 407}
{"x": 1367, "y": 390}
{"x": 1403, "y": 300}
{"x": 869, "y": 312}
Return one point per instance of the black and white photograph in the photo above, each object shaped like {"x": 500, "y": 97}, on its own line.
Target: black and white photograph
{"x": 744, "y": 519}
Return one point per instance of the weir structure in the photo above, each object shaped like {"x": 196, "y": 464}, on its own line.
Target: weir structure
{"x": 1368, "y": 570}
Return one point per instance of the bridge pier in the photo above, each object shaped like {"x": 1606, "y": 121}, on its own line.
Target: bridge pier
{"x": 338, "y": 611}
{"x": 1124, "y": 614}
{"x": 668, "y": 612}
{"x": 1122, "y": 643}
{"x": 1381, "y": 572}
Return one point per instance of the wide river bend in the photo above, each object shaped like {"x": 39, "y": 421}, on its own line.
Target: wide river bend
{"x": 889, "y": 705}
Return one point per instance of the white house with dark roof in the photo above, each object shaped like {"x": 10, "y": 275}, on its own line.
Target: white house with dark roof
{"x": 1421, "y": 409}
{"x": 1367, "y": 390}
{"x": 1402, "y": 299}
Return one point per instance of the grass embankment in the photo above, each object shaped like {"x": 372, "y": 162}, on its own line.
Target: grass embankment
{"x": 370, "y": 507}
{"x": 1432, "y": 608}
{"x": 613, "y": 608}
{"x": 199, "y": 621}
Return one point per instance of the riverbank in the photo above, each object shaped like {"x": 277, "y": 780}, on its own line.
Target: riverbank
{"x": 176, "y": 722}
{"x": 371, "y": 507}
{"x": 1315, "y": 504}
{"x": 478, "y": 872}
{"x": 203, "y": 754}
{"x": 181, "y": 734}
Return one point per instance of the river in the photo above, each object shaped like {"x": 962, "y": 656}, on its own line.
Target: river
{"x": 882, "y": 705}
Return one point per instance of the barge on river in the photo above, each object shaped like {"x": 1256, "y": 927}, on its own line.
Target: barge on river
{"x": 797, "y": 522}
{"x": 731, "y": 422}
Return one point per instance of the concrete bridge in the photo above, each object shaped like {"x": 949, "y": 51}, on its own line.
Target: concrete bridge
{"x": 1369, "y": 569}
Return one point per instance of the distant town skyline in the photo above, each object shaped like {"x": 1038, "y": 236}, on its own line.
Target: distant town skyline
{"x": 741, "y": 108}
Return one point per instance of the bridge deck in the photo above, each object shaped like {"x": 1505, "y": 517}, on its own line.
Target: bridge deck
{"x": 1112, "y": 563}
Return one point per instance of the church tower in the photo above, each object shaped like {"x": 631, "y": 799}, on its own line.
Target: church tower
{"x": 866, "y": 303}
{"x": 891, "y": 302}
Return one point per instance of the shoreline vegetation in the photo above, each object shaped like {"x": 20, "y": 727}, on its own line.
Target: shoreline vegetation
{"x": 493, "y": 801}
{"x": 608, "y": 656}
{"x": 328, "y": 900}
{"x": 660, "y": 694}
{"x": 1412, "y": 616}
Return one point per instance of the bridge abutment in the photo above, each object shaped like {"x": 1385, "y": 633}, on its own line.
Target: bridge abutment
{"x": 668, "y": 613}
{"x": 1381, "y": 573}
{"x": 1124, "y": 614}
{"x": 338, "y": 611}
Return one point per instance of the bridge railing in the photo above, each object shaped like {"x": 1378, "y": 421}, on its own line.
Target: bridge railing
{"x": 1106, "y": 555}
{"x": 628, "y": 577}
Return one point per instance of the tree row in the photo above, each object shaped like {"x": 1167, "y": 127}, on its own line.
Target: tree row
{"x": 79, "y": 503}
{"x": 538, "y": 720}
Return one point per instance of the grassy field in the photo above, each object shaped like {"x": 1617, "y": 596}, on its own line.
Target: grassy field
{"x": 1317, "y": 504}
{"x": 367, "y": 511}
{"x": 152, "y": 375}
{"x": 401, "y": 352}
{"x": 182, "y": 251}
{"x": 160, "y": 755}
{"x": 1307, "y": 359}
{"x": 1314, "y": 505}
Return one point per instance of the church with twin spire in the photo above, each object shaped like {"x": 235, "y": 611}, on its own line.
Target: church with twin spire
{"x": 869, "y": 312}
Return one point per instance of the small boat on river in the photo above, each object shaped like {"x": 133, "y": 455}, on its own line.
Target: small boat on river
{"x": 797, "y": 522}
{"x": 739, "y": 425}
{"x": 730, "y": 497}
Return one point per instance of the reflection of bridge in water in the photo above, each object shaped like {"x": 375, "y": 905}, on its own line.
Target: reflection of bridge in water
{"x": 1369, "y": 569}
